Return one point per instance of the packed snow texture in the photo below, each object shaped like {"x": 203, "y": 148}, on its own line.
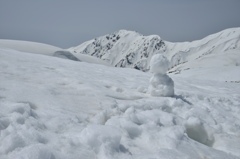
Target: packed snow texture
{"x": 160, "y": 83}
{"x": 54, "y": 108}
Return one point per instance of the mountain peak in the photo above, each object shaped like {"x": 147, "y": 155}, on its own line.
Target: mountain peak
{"x": 123, "y": 48}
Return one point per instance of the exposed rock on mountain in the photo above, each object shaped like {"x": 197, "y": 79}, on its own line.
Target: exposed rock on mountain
{"x": 124, "y": 49}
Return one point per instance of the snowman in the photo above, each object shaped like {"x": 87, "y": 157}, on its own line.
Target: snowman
{"x": 160, "y": 83}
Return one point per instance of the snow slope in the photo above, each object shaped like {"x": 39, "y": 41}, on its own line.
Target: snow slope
{"x": 215, "y": 55}
{"x": 131, "y": 49}
{"x": 53, "y": 108}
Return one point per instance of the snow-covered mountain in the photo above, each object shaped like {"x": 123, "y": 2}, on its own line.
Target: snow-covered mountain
{"x": 131, "y": 49}
{"x": 207, "y": 52}
{"x": 123, "y": 49}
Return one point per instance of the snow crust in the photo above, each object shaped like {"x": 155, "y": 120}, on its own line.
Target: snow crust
{"x": 54, "y": 108}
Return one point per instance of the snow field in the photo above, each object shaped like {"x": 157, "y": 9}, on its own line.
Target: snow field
{"x": 53, "y": 108}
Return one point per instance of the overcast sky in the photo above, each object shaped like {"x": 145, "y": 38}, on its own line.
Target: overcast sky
{"x": 67, "y": 23}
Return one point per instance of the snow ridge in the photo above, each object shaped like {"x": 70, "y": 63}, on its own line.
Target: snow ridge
{"x": 222, "y": 42}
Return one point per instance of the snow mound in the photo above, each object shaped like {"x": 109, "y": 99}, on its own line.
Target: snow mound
{"x": 195, "y": 130}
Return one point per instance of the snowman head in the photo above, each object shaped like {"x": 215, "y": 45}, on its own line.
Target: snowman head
{"x": 159, "y": 64}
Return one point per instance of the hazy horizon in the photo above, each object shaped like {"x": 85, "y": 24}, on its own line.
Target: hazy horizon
{"x": 69, "y": 23}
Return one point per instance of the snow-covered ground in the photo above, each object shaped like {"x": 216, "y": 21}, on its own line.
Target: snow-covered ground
{"x": 54, "y": 108}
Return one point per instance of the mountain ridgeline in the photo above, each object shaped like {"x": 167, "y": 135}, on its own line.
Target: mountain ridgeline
{"x": 133, "y": 50}
{"x": 124, "y": 49}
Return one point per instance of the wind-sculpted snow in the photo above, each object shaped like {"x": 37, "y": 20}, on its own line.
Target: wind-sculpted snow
{"x": 131, "y": 49}
{"x": 53, "y": 108}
